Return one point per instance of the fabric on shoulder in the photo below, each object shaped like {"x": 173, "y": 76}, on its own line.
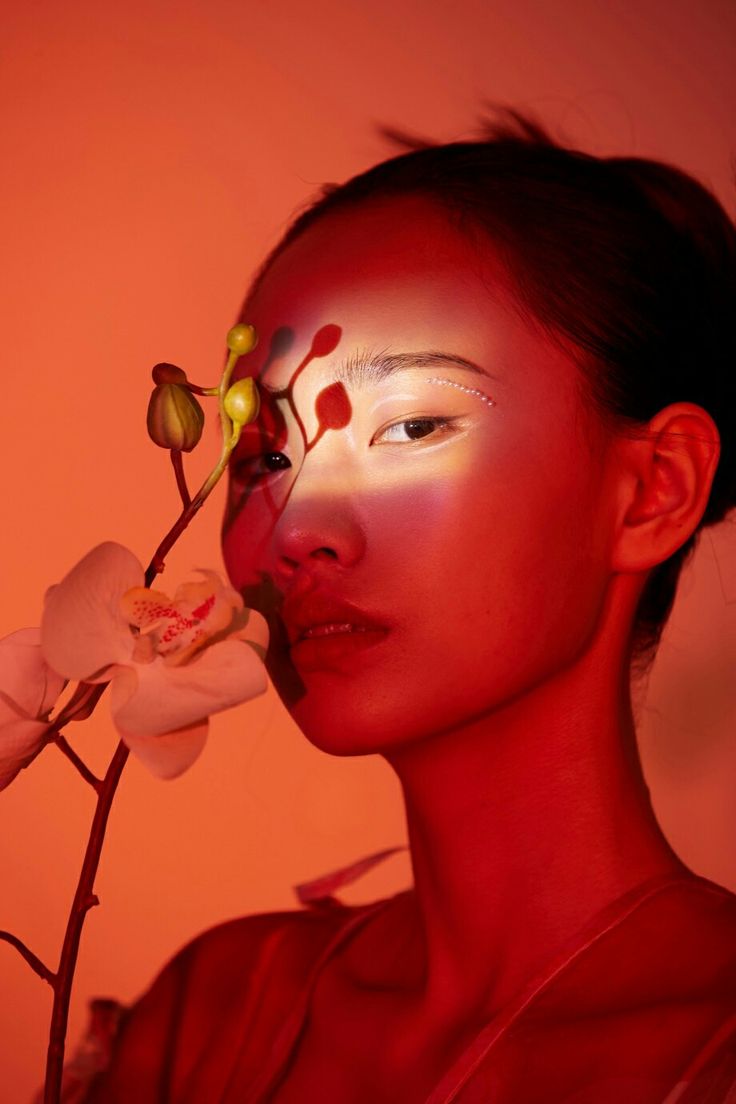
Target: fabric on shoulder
{"x": 223, "y": 992}
{"x": 224, "y": 976}
{"x": 710, "y": 1077}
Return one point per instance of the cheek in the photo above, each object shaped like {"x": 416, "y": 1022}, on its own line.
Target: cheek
{"x": 245, "y": 538}
{"x": 513, "y": 561}
{"x": 549, "y": 569}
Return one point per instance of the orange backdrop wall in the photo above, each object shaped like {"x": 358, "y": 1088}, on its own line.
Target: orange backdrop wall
{"x": 153, "y": 152}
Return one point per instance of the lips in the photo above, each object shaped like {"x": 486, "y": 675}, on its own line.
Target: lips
{"x": 318, "y": 615}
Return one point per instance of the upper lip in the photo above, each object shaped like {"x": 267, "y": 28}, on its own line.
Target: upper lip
{"x": 302, "y": 613}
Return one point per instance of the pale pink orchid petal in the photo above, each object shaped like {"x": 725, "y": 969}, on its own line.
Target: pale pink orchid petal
{"x": 26, "y": 680}
{"x": 169, "y": 755}
{"x": 171, "y": 663}
{"x": 255, "y": 629}
{"x": 155, "y": 698}
{"x": 83, "y": 628}
{"x": 20, "y": 742}
{"x": 28, "y": 692}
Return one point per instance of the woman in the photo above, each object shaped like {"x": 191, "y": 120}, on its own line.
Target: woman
{"x": 498, "y": 395}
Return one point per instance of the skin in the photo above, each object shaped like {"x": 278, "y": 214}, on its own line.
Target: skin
{"x": 506, "y": 558}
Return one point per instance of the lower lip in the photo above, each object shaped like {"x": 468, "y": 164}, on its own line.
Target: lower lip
{"x": 313, "y": 652}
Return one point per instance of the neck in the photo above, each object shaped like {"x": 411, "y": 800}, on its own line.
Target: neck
{"x": 524, "y": 823}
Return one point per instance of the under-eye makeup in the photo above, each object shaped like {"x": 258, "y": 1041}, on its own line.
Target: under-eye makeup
{"x": 461, "y": 387}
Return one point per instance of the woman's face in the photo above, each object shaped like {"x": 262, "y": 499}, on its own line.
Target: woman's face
{"x": 473, "y": 532}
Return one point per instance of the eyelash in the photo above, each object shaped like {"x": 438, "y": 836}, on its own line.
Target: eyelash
{"x": 445, "y": 425}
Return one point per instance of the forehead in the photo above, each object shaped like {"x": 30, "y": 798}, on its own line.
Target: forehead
{"x": 393, "y": 273}
{"x": 391, "y": 236}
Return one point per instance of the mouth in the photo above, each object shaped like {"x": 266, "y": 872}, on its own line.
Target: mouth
{"x": 333, "y": 643}
{"x": 330, "y": 628}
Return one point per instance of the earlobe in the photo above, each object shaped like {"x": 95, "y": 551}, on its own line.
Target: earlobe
{"x": 669, "y": 473}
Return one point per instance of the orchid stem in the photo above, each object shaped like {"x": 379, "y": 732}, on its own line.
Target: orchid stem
{"x": 84, "y": 900}
{"x": 79, "y": 763}
{"x": 195, "y": 389}
{"x": 83, "y": 703}
{"x": 181, "y": 482}
{"x": 33, "y": 960}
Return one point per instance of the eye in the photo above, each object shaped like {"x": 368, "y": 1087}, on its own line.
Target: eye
{"x": 247, "y": 467}
{"x": 417, "y": 429}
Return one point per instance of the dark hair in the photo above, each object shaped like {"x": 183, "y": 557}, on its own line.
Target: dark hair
{"x": 629, "y": 263}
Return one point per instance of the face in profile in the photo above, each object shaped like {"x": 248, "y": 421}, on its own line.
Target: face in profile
{"x": 419, "y": 511}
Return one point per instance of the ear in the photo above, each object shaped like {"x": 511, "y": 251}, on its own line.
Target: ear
{"x": 665, "y": 479}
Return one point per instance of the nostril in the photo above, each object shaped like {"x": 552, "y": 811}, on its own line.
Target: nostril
{"x": 322, "y": 537}
{"x": 288, "y": 564}
{"x": 287, "y": 567}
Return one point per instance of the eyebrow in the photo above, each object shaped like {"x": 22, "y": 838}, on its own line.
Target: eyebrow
{"x": 366, "y": 369}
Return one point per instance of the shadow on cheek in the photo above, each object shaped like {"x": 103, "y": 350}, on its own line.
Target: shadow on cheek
{"x": 265, "y": 597}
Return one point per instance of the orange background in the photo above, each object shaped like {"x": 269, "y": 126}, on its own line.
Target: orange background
{"x": 153, "y": 153}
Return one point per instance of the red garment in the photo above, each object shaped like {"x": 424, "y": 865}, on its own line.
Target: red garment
{"x": 639, "y": 1008}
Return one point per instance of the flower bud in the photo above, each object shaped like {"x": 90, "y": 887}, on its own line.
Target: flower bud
{"x": 168, "y": 373}
{"x": 242, "y": 401}
{"x": 175, "y": 419}
{"x": 241, "y": 339}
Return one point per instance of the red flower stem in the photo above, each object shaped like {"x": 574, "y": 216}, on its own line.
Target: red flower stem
{"x": 181, "y": 482}
{"x": 196, "y": 390}
{"x": 84, "y": 900}
{"x": 81, "y": 766}
{"x": 157, "y": 564}
{"x": 33, "y": 960}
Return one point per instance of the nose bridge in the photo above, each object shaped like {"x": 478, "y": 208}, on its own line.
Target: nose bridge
{"x": 319, "y": 522}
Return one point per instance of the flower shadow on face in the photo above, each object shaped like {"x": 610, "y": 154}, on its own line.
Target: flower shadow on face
{"x": 267, "y": 598}
{"x": 334, "y": 411}
{"x": 270, "y": 423}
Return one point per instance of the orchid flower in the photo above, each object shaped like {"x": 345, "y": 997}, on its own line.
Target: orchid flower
{"x": 172, "y": 663}
{"x": 28, "y": 691}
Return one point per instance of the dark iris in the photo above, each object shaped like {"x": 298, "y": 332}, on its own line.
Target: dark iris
{"x": 278, "y": 457}
{"x": 428, "y": 422}
{"x": 249, "y": 467}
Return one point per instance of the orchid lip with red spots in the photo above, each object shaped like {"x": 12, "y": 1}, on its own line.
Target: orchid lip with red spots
{"x": 172, "y": 662}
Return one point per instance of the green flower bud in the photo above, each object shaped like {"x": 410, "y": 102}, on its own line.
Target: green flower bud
{"x": 242, "y": 402}
{"x": 241, "y": 339}
{"x": 168, "y": 373}
{"x": 175, "y": 419}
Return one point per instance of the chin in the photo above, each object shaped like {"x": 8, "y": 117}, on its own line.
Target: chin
{"x": 343, "y": 720}
{"x": 335, "y": 725}
{"x": 331, "y": 713}
{"x": 340, "y": 693}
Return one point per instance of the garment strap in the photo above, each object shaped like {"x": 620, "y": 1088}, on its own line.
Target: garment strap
{"x": 713, "y": 1058}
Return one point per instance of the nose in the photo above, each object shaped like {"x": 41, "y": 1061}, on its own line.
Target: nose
{"x": 317, "y": 535}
